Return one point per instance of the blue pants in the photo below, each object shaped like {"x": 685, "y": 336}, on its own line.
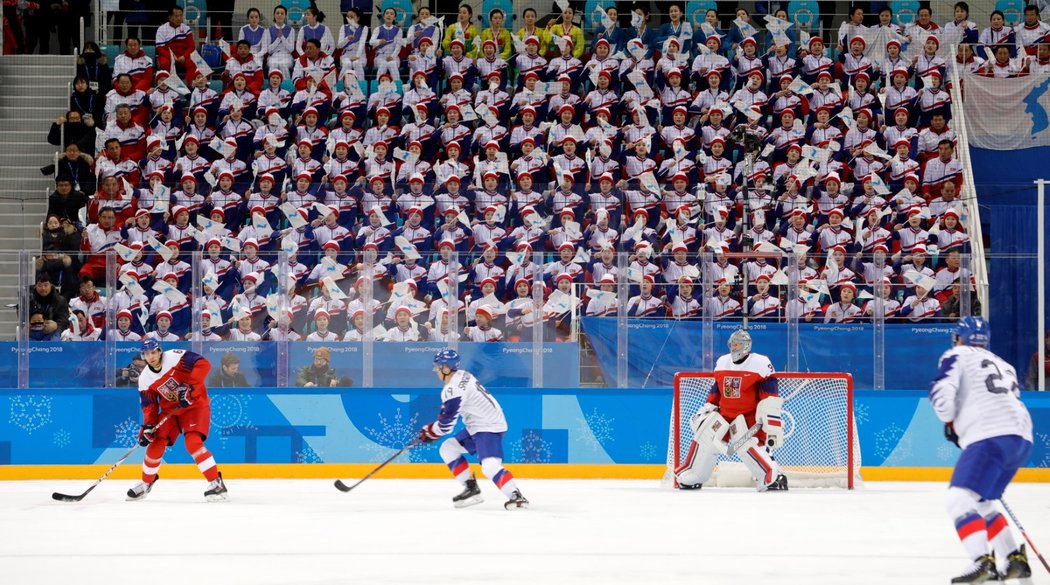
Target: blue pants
{"x": 484, "y": 445}
{"x": 986, "y": 467}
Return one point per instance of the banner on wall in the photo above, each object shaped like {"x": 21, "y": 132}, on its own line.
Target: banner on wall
{"x": 657, "y": 349}
{"x": 1008, "y": 114}
{"x": 82, "y": 426}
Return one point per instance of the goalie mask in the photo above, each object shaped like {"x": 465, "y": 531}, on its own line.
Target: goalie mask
{"x": 739, "y": 345}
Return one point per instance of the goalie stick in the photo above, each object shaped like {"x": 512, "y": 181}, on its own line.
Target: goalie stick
{"x": 77, "y": 498}
{"x": 339, "y": 485}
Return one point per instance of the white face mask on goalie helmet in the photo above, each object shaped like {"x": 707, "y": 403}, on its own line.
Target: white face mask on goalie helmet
{"x": 739, "y": 345}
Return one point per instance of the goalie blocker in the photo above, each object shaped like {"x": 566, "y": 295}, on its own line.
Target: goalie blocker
{"x": 744, "y": 397}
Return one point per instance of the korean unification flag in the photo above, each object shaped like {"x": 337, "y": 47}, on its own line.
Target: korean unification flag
{"x": 1007, "y": 113}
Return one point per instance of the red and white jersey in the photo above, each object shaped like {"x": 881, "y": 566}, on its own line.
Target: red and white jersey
{"x": 479, "y": 335}
{"x": 721, "y": 307}
{"x": 890, "y": 308}
{"x": 739, "y": 387}
{"x": 926, "y": 308}
{"x": 159, "y": 388}
{"x": 841, "y": 314}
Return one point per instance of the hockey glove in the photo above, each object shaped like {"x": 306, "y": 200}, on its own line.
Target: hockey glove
{"x": 185, "y": 396}
{"x": 949, "y": 433}
{"x": 146, "y": 435}
{"x": 427, "y": 434}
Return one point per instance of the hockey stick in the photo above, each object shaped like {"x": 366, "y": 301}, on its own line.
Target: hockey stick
{"x": 1024, "y": 534}
{"x": 77, "y": 498}
{"x": 339, "y": 485}
{"x": 739, "y": 442}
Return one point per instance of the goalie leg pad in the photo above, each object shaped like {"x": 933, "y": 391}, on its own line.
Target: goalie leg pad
{"x": 703, "y": 451}
{"x": 759, "y": 463}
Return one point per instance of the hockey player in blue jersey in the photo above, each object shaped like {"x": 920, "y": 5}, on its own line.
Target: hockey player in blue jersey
{"x": 482, "y": 435}
{"x": 976, "y": 395}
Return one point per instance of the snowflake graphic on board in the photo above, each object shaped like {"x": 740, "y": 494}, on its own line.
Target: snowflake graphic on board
{"x": 945, "y": 451}
{"x": 531, "y": 448}
{"x": 601, "y": 430}
{"x": 30, "y": 413}
{"x": 1044, "y": 438}
{"x": 392, "y": 435}
{"x": 230, "y": 410}
{"x": 860, "y": 413}
{"x": 126, "y": 434}
{"x": 891, "y": 444}
{"x": 308, "y": 455}
{"x": 61, "y": 438}
{"x": 648, "y": 451}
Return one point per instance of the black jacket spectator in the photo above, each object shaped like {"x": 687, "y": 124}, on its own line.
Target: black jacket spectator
{"x": 78, "y": 170}
{"x": 44, "y": 297}
{"x": 65, "y": 203}
{"x": 87, "y": 102}
{"x": 76, "y": 132}
{"x": 92, "y": 65}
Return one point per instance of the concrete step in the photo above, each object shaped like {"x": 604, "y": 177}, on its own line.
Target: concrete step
{"x": 35, "y": 79}
{"x": 36, "y": 100}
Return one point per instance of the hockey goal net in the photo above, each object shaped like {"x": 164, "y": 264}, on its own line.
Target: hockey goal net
{"x": 820, "y": 449}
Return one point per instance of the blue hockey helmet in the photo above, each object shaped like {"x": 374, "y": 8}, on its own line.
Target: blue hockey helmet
{"x": 973, "y": 331}
{"x": 447, "y": 357}
{"x": 149, "y": 344}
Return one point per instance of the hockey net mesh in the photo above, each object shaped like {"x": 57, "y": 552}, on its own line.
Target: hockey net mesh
{"x": 821, "y": 447}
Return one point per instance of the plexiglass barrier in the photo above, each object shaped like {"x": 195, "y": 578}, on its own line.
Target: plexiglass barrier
{"x": 299, "y": 317}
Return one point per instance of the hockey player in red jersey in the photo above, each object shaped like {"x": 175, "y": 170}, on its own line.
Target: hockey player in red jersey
{"x": 745, "y": 392}
{"x": 173, "y": 384}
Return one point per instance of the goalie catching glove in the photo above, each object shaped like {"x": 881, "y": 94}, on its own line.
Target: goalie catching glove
{"x": 768, "y": 414}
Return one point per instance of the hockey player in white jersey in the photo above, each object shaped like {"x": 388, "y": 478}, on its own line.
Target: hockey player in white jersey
{"x": 977, "y": 397}
{"x": 482, "y": 435}
{"x": 745, "y": 393}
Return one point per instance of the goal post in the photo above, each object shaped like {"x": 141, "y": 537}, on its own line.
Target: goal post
{"x": 820, "y": 449}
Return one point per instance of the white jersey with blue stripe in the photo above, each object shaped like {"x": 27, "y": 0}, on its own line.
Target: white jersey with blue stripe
{"x": 977, "y": 392}
{"x": 464, "y": 396}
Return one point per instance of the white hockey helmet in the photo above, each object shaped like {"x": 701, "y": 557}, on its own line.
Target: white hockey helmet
{"x": 739, "y": 345}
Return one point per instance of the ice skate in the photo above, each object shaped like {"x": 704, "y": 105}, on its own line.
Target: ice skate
{"x": 216, "y": 491}
{"x": 780, "y": 484}
{"x": 1017, "y": 566}
{"x": 470, "y": 495}
{"x": 690, "y": 486}
{"x": 982, "y": 570}
{"x": 516, "y": 502}
{"x": 142, "y": 489}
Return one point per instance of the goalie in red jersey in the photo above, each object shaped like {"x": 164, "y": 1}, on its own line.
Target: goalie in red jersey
{"x": 745, "y": 392}
{"x": 175, "y": 400}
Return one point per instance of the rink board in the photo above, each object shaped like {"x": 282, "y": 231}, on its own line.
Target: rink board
{"x": 555, "y": 433}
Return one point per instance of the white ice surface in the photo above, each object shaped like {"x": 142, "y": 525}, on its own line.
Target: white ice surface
{"x": 406, "y": 531}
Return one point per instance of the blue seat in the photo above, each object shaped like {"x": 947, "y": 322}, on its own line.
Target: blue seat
{"x": 111, "y": 52}
{"x": 1013, "y": 10}
{"x": 489, "y": 5}
{"x": 195, "y": 10}
{"x": 805, "y": 14}
{"x": 216, "y": 85}
{"x": 904, "y": 11}
{"x": 695, "y": 10}
{"x": 404, "y": 9}
{"x": 151, "y": 52}
{"x": 296, "y": 9}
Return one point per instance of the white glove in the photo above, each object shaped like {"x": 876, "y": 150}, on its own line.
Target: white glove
{"x": 768, "y": 413}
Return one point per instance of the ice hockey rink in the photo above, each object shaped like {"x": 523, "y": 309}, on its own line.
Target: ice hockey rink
{"x": 406, "y": 531}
